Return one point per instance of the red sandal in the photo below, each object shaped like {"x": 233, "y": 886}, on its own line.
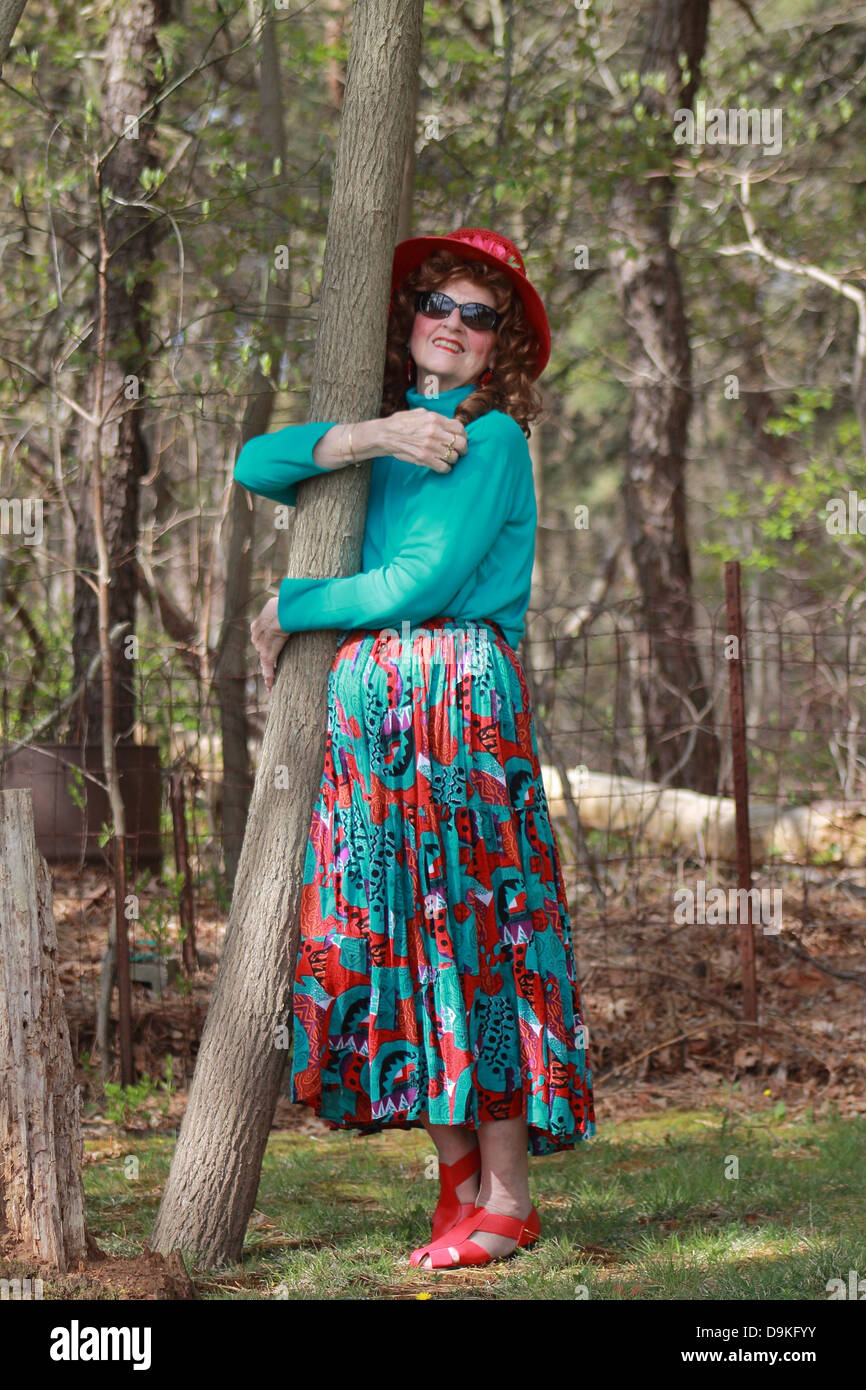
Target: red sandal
{"x": 448, "y": 1210}
{"x": 460, "y": 1252}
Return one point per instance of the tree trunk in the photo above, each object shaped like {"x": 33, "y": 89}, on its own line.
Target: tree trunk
{"x": 651, "y": 297}
{"x": 10, "y": 13}
{"x": 771, "y": 456}
{"x": 215, "y": 1172}
{"x": 234, "y": 641}
{"x": 106, "y": 581}
{"x": 336, "y": 71}
{"x": 407, "y": 188}
{"x": 41, "y": 1193}
{"x": 128, "y": 88}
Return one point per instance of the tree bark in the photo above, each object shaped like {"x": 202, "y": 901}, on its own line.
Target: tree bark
{"x": 10, "y": 13}
{"x": 215, "y": 1172}
{"x": 41, "y": 1149}
{"x": 336, "y": 72}
{"x": 407, "y": 188}
{"x": 651, "y": 298}
{"x": 106, "y": 581}
{"x": 129, "y": 86}
{"x": 772, "y": 455}
{"x": 233, "y": 646}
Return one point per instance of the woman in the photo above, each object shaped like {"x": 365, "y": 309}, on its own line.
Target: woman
{"x": 435, "y": 981}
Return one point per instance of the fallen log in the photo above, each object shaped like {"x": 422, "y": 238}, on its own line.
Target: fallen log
{"x": 674, "y": 819}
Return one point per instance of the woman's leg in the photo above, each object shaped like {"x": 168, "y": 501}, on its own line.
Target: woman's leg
{"x": 504, "y": 1177}
{"x": 452, "y": 1143}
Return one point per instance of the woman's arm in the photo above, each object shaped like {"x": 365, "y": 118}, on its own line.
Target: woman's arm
{"x": 273, "y": 464}
{"x": 332, "y": 450}
{"x": 416, "y": 436}
{"x": 456, "y": 518}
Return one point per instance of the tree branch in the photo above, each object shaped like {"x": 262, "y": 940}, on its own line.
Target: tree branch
{"x": 758, "y": 247}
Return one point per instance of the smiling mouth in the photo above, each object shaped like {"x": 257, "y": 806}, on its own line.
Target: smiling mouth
{"x": 447, "y": 345}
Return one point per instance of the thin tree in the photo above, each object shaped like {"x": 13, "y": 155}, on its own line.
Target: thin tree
{"x": 107, "y": 513}
{"x": 215, "y": 1172}
{"x": 10, "y": 13}
{"x": 129, "y": 89}
{"x": 682, "y": 746}
{"x": 234, "y": 640}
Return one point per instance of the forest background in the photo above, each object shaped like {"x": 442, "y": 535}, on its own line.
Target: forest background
{"x": 704, "y": 402}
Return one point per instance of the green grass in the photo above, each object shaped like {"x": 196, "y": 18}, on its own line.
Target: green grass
{"x": 644, "y": 1212}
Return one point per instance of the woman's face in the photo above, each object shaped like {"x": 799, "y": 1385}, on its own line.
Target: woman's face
{"x": 446, "y": 349}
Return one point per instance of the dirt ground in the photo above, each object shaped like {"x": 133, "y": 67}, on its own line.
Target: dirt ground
{"x": 147, "y": 1277}
{"x": 662, "y": 1004}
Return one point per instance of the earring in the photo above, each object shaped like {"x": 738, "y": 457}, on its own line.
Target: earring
{"x": 410, "y": 373}
{"x": 486, "y": 377}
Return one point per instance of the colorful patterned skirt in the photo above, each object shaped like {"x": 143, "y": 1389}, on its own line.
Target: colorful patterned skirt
{"x": 435, "y": 972}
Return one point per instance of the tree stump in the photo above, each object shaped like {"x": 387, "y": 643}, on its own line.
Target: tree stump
{"x": 41, "y": 1192}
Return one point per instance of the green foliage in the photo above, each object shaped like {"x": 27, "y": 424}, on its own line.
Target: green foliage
{"x": 86, "y": 1064}
{"x": 799, "y": 412}
{"x": 218, "y": 887}
{"x": 125, "y": 1104}
{"x": 788, "y": 519}
{"x": 157, "y": 906}
{"x": 75, "y": 786}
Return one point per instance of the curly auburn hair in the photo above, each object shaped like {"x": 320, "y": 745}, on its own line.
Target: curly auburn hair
{"x": 510, "y": 389}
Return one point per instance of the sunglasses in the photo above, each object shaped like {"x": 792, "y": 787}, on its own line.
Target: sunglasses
{"x": 433, "y": 304}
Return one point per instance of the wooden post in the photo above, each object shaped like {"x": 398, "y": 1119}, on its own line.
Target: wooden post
{"x": 41, "y": 1193}
{"x": 741, "y": 788}
{"x": 181, "y": 859}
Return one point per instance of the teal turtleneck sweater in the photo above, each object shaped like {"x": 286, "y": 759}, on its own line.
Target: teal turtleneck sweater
{"x": 460, "y": 544}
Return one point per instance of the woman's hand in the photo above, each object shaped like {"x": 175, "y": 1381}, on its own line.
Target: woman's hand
{"x": 268, "y": 640}
{"x": 421, "y": 436}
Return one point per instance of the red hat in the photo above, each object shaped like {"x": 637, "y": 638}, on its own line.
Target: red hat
{"x": 478, "y": 244}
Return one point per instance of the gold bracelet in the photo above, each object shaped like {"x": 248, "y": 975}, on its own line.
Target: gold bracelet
{"x": 358, "y": 462}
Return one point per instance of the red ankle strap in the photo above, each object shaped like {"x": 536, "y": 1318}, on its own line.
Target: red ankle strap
{"x": 456, "y": 1173}
{"x": 496, "y": 1224}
